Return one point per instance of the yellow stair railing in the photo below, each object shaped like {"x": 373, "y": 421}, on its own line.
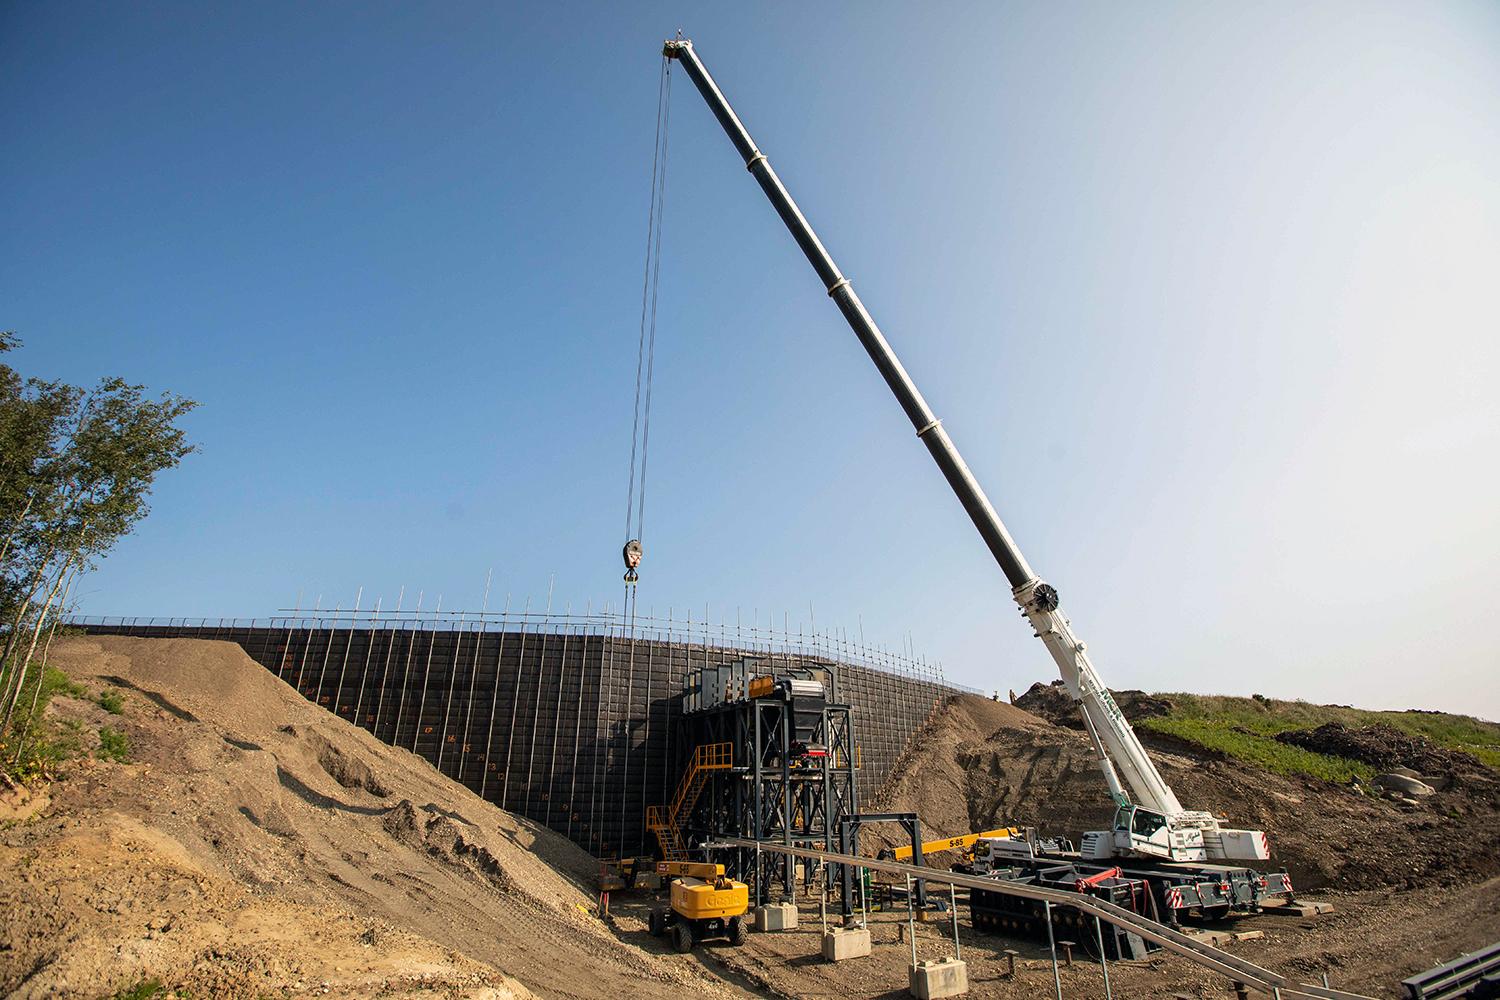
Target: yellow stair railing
{"x": 667, "y": 824}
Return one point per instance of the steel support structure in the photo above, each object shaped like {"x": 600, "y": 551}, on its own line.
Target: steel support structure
{"x": 771, "y": 794}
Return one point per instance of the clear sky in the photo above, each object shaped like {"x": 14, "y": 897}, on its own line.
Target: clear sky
{"x": 1208, "y": 293}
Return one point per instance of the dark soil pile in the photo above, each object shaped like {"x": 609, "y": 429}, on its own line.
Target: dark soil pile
{"x": 1053, "y": 703}
{"x": 1384, "y": 747}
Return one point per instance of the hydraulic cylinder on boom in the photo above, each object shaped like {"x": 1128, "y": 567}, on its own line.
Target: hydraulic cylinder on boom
{"x": 1148, "y": 820}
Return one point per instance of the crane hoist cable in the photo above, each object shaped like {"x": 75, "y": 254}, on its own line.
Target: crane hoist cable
{"x": 645, "y": 362}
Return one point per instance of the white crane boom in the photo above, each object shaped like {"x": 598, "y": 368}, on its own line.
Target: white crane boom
{"x": 1149, "y": 820}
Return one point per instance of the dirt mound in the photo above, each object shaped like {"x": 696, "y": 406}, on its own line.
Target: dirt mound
{"x": 1383, "y": 747}
{"x": 972, "y": 769}
{"x": 256, "y": 845}
{"x": 1053, "y": 703}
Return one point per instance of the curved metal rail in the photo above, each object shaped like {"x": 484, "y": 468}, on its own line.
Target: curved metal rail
{"x": 1205, "y": 955}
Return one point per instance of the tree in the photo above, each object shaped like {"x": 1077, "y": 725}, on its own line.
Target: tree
{"x": 76, "y": 471}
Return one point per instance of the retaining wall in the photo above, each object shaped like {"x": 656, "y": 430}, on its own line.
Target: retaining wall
{"x": 569, "y": 725}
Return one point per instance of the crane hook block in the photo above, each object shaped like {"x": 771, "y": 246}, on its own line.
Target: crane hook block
{"x": 632, "y": 554}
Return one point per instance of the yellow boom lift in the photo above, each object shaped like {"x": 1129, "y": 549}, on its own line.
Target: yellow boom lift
{"x": 966, "y": 843}
{"x": 705, "y": 904}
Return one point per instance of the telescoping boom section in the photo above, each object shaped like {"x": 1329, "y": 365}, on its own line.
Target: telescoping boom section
{"x": 1148, "y": 819}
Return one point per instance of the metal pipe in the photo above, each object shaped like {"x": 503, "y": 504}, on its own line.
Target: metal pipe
{"x": 1104, "y": 965}
{"x": 958, "y": 948}
{"x": 1052, "y": 947}
{"x": 1216, "y": 960}
{"x": 911, "y": 923}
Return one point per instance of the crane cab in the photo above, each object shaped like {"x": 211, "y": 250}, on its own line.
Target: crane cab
{"x": 1145, "y": 833}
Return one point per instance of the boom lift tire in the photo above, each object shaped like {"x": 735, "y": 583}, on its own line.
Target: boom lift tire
{"x": 682, "y": 937}
{"x": 656, "y": 922}
{"x": 737, "y": 932}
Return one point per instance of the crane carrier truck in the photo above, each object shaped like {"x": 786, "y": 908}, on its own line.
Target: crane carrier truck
{"x": 1150, "y": 824}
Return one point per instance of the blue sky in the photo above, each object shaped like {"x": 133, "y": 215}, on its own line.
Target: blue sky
{"x": 1205, "y": 292}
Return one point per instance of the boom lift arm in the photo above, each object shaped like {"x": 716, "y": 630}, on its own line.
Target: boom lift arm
{"x": 1149, "y": 819}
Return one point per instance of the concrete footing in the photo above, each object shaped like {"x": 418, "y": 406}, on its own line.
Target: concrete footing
{"x": 840, "y": 943}
{"x": 1220, "y": 939}
{"x": 776, "y": 917}
{"x": 1300, "y": 909}
{"x": 946, "y": 977}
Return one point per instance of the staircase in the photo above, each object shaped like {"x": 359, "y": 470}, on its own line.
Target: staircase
{"x": 667, "y": 824}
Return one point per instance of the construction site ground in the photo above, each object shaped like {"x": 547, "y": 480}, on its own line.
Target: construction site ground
{"x": 256, "y": 846}
{"x": 1367, "y": 945}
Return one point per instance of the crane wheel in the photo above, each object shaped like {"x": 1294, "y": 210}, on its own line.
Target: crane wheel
{"x": 682, "y": 937}
{"x": 737, "y": 932}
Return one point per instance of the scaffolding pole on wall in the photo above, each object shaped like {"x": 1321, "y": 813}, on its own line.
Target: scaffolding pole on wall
{"x": 588, "y": 781}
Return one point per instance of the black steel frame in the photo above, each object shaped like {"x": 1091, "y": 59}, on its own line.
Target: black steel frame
{"x": 770, "y": 794}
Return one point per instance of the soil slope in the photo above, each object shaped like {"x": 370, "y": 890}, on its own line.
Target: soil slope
{"x": 1400, "y": 873}
{"x": 981, "y": 764}
{"x": 256, "y": 845}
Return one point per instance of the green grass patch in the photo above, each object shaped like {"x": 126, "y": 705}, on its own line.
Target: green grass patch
{"x": 1246, "y": 728}
{"x": 111, "y": 701}
{"x": 146, "y": 989}
{"x": 53, "y": 682}
{"x": 33, "y": 748}
{"x": 1259, "y": 749}
{"x": 113, "y": 745}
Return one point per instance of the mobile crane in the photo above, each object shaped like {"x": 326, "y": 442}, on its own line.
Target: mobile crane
{"x": 1149, "y": 821}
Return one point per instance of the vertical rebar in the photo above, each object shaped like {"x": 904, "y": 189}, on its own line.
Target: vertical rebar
{"x": 489, "y": 739}
{"x": 515, "y": 700}
{"x": 338, "y": 693}
{"x": 562, "y": 679}
{"x": 364, "y": 677}
{"x": 286, "y": 651}
{"x": 536, "y": 711}
{"x": 458, "y": 648}
{"x": 601, "y": 748}
{"x": 625, "y": 748}
{"x": 322, "y": 670}
{"x": 583, "y": 665}
{"x": 416, "y": 733}
{"x": 466, "y": 746}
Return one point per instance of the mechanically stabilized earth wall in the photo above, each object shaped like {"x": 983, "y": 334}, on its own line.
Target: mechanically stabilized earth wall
{"x": 570, "y": 724}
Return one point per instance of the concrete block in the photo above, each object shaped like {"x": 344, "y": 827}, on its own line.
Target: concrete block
{"x": 776, "y": 917}
{"x": 946, "y": 977}
{"x": 1224, "y": 938}
{"x": 1300, "y": 908}
{"x": 840, "y": 943}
